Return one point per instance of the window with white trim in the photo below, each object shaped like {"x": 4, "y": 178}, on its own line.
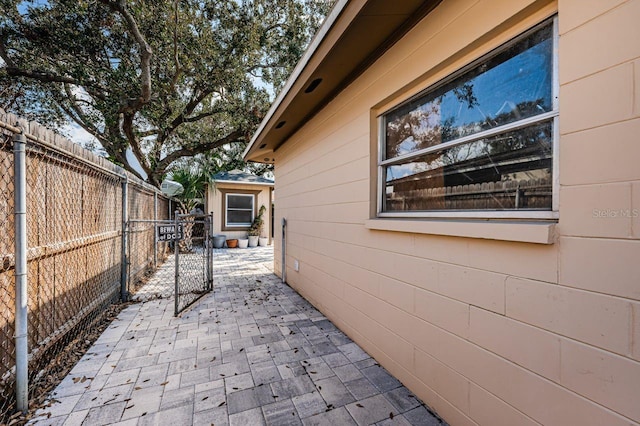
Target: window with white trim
{"x": 480, "y": 143}
{"x": 239, "y": 210}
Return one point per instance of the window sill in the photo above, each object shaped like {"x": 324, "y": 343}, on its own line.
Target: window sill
{"x": 235, "y": 228}
{"x": 540, "y": 232}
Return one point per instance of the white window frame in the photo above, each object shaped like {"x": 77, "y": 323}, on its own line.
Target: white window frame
{"x": 480, "y": 214}
{"x": 226, "y": 213}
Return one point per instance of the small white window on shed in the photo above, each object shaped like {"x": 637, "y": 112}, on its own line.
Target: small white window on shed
{"x": 240, "y": 208}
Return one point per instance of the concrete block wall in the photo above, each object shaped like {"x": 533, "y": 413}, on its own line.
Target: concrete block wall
{"x": 486, "y": 331}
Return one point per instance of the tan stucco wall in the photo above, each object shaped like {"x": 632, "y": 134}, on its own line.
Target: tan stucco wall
{"x": 486, "y": 331}
{"x": 214, "y": 204}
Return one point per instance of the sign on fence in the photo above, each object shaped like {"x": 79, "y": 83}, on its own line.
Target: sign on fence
{"x": 168, "y": 232}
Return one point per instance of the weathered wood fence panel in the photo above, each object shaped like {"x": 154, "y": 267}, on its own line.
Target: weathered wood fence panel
{"x": 523, "y": 194}
{"x": 74, "y": 237}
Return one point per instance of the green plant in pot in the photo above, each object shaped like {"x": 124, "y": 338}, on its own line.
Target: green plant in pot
{"x": 255, "y": 231}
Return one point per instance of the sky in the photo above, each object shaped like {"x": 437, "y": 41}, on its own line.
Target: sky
{"x": 80, "y": 136}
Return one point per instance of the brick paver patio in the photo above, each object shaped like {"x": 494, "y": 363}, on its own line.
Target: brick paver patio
{"x": 252, "y": 352}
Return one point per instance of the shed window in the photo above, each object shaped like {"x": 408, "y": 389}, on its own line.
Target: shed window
{"x": 479, "y": 143}
{"x": 239, "y": 210}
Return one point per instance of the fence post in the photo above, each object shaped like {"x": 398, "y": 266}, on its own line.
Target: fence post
{"x": 20, "y": 234}
{"x": 124, "y": 294}
{"x": 155, "y": 221}
{"x": 176, "y": 249}
{"x": 209, "y": 236}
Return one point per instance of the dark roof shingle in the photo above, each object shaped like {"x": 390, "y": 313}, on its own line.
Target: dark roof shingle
{"x": 240, "y": 177}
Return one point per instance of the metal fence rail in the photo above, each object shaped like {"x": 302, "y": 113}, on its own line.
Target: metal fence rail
{"x": 74, "y": 217}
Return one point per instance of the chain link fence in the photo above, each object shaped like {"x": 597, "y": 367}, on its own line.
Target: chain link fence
{"x": 146, "y": 209}
{"x": 74, "y": 208}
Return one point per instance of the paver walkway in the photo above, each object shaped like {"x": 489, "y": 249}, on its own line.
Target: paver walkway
{"x": 252, "y": 352}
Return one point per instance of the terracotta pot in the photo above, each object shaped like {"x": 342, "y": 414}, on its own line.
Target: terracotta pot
{"x": 232, "y": 243}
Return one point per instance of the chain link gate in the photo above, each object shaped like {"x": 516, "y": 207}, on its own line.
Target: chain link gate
{"x": 193, "y": 253}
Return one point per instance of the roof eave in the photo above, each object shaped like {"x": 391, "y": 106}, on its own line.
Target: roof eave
{"x": 353, "y": 36}
{"x": 297, "y": 71}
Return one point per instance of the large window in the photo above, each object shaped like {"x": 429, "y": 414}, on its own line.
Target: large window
{"x": 480, "y": 143}
{"x": 239, "y": 210}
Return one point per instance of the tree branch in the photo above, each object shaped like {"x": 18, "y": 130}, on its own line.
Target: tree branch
{"x": 188, "y": 109}
{"x": 148, "y": 133}
{"x": 127, "y": 127}
{"x": 95, "y": 92}
{"x": 193, "y": 103}
{"x": 178, "y": 70}
{"x": 201, "y": 116}
{"x": 3, "y": 52}
{"x": 77, "y": 115}
{"x": 117, "y": 148}
{"x": 263, "y": 66}
{"x": 145, "y": 56}
{"x": 43, "y": 76}
{"x": 162, "y": 165}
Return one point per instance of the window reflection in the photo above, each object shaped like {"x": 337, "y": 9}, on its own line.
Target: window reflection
{"x": 510, "y": 86}
{"x": 507, "y": 171}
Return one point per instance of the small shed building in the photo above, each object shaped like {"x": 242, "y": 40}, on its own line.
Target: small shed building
{"x": 235, "y": 198}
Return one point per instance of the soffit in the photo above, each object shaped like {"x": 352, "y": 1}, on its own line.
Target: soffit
{"x": 358, "y": 36}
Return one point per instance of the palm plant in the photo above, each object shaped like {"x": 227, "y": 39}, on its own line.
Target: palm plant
{"x": 192, "y": 180}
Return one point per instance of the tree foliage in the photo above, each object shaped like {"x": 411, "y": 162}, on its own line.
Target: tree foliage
{"x": 166, "y": 79}
{"x": 192, "y": 181}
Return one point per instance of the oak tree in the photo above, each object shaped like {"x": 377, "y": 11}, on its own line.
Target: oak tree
{"x": 165, "y": 79}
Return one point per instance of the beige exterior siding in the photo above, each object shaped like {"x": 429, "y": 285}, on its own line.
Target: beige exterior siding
{"x": 486, "y": 331}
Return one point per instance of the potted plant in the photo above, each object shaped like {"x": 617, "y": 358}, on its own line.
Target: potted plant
{"x": 255, "y": 231}
{"x": 252, "y": 238}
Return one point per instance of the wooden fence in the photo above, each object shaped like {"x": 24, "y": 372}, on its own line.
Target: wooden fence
{"x": 74, "y": 238}
{"x": 532, "y": 194}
